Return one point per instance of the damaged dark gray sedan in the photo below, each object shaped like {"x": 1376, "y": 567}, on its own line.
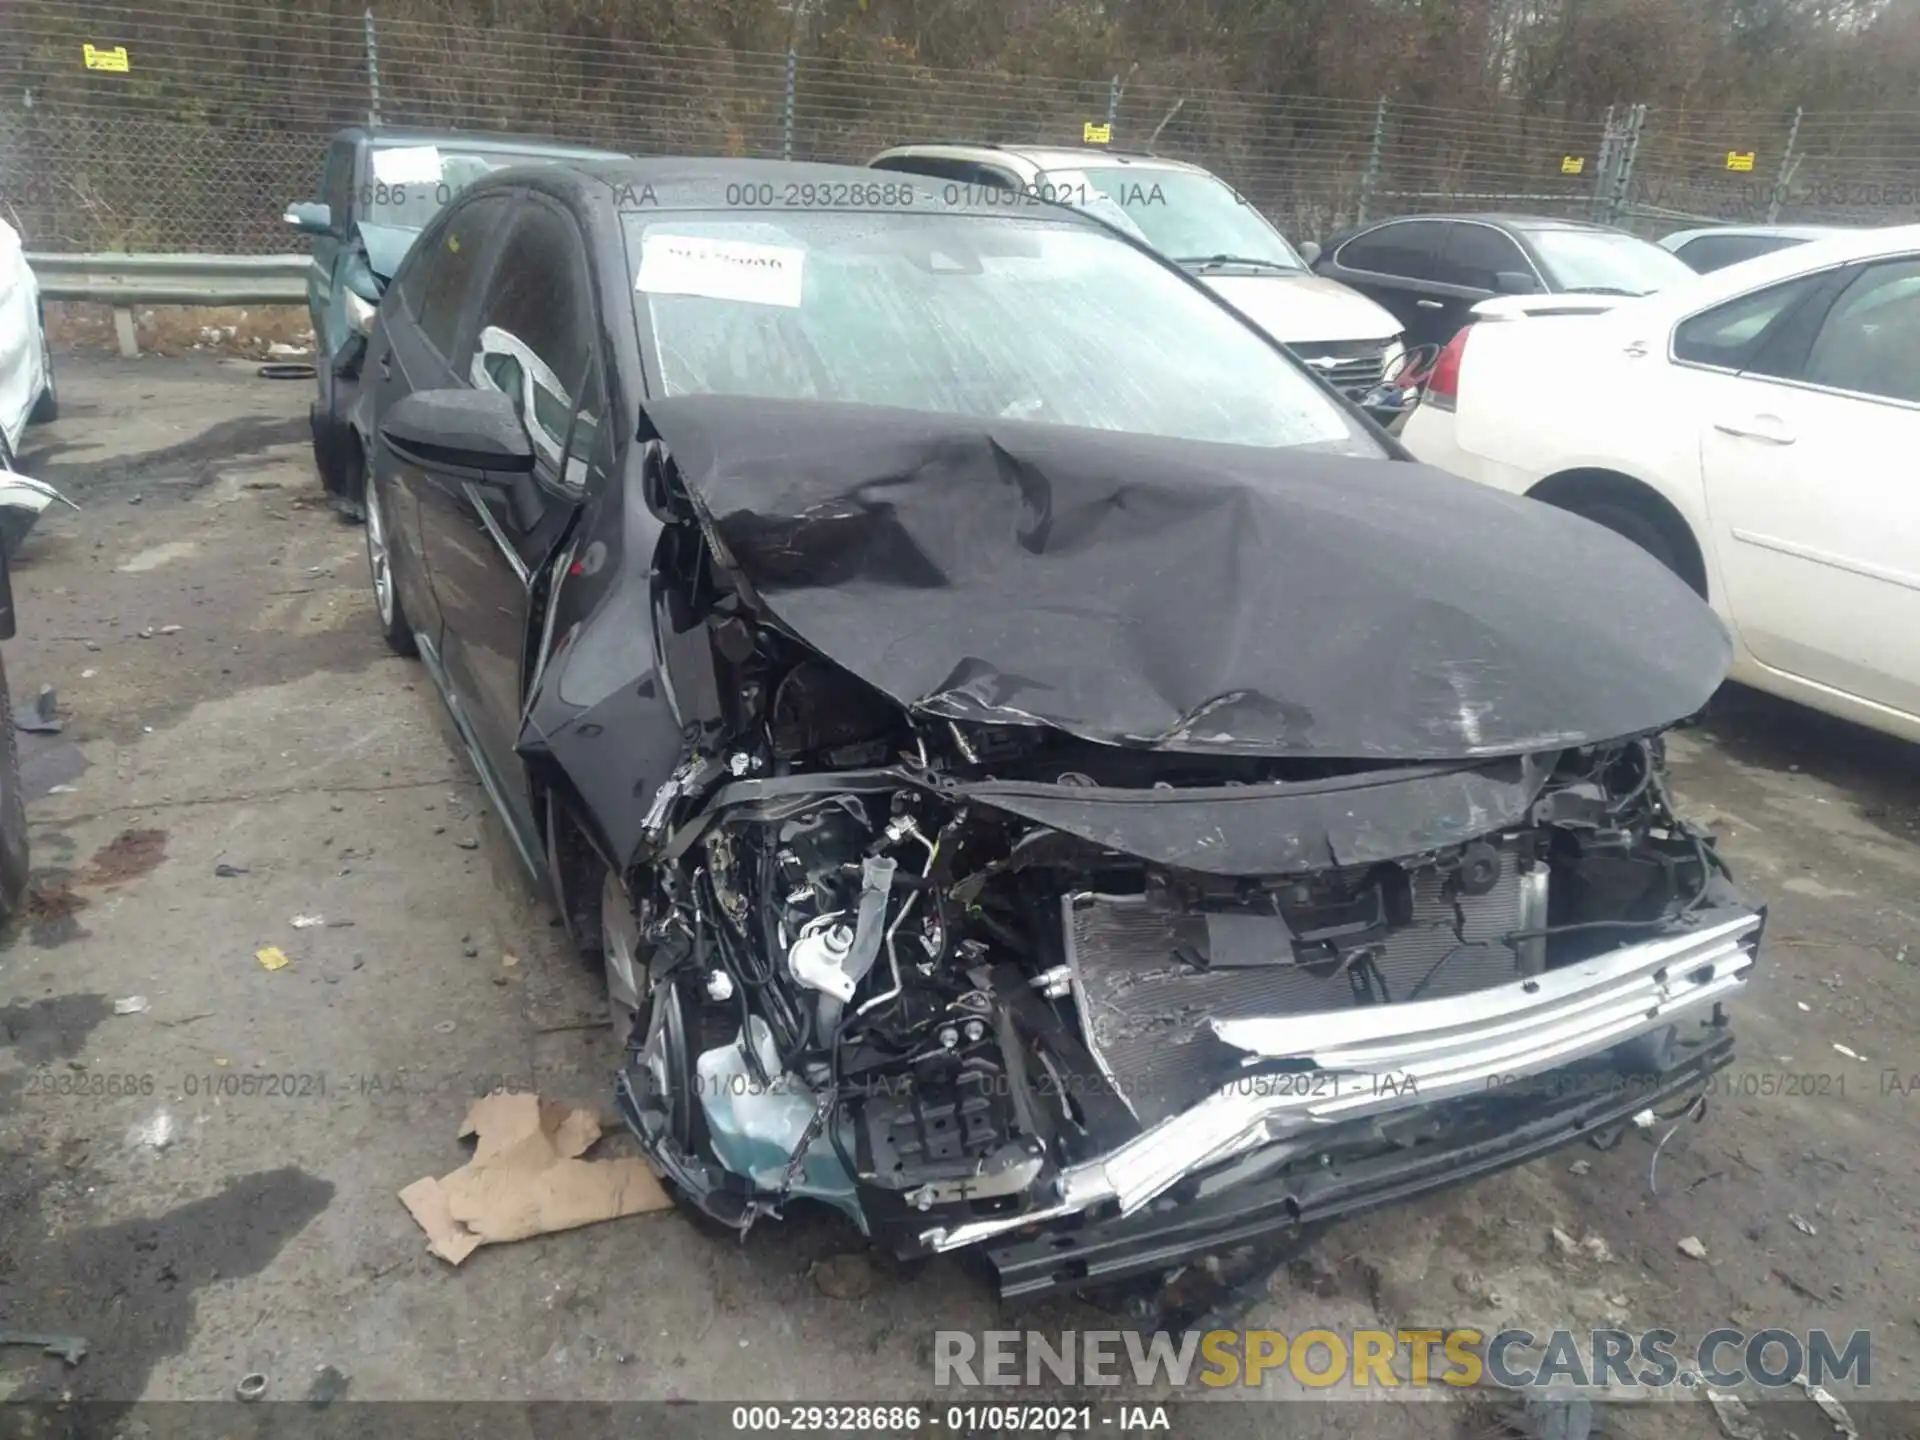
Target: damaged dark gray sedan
{"x": 1040, "y": 771}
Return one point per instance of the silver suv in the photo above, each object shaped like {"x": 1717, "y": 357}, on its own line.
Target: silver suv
{"x": 1197, "y": 220}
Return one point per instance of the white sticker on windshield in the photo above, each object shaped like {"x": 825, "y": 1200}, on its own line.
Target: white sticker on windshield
{"x": 721, "y": 269}
{"x": 407, "y": 165}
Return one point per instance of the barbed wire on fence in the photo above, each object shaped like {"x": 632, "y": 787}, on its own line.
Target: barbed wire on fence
{"x": 221, "y": 116}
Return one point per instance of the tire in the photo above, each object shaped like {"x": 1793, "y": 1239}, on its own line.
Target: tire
{"x": 47, "y": 408}
{"x": 323, "y": 457}
{"x": 13, "y": 811}
{"x": 1631, "y": 524}
{"x": 623, "y": 960}
{"x": 356, "y": 478}
{"x": 395, "y": 628}
{"x": 683, "y": 1037}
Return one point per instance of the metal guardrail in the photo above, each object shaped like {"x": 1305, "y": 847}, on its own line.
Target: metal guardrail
{"x": 122, "y": 280}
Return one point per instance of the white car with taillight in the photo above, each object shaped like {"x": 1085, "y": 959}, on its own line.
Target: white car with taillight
{"x": 1755, "y": 429}
{"x": 27, "y": 395}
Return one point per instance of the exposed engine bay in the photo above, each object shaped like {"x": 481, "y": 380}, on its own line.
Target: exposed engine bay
{"x": 952, "y": 1022}
{"x": 1094, "y": 849}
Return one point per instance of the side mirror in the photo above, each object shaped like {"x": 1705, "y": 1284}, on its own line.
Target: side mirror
{"x": 310, "y": 217}
{"x": 475, "y": 434}
{"x": 1310, "y": 252}
{"x": 1516, "y": 282}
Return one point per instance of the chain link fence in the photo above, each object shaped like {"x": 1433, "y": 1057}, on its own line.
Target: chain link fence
{"x": 128, "y": 128}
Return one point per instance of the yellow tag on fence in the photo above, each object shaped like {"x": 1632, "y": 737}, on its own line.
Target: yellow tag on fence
{"x": 1572, "y": 164}
{"x": 1740, "y": 159}
{"x": 1094, "y": 134}
{"x": 99, "y": 59}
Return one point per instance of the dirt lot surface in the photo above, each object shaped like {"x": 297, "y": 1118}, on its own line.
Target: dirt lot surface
{"x": 206, "y": 1186}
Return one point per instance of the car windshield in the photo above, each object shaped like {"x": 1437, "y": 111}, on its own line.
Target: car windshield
{"x": 1607, "y": 261}
{"x": 407, "y": 185}
{"x": 983, "y": 316}
{"x": 1186, "y": 214}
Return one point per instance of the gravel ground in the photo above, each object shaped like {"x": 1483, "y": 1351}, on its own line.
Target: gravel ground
{"x": 207, "y": 1187}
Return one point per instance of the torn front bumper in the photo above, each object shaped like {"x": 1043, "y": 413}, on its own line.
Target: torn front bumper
{"x": 1306, "y": 1074}
{"x": 1350, "y": 1168}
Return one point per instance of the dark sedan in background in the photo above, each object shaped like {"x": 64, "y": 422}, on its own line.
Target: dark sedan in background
{"x": 1431, "y": 270}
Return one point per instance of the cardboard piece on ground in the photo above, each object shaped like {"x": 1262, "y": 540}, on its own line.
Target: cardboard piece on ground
{"x": 526, "y": 1178}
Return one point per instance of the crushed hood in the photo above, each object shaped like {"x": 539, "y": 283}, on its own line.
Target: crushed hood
{"x": 1304, "y": 309}
{"x": 1188, "y": 596}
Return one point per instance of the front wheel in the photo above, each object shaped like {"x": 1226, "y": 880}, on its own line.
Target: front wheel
{"x": 395, "y": 629}
{"x": 47, "y": 408}
{"x": 1631, "y": 524}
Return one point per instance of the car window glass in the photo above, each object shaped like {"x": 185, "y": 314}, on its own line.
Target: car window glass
{"x": 1728, "y": 336}
{"x": 1605, "y": 262}
{"x": 1870, "y": 340}
{"x": 1042, "y": 318}
{"x": 336, "y": 182}
{"x": 1407, "y": 248}
{"x": 940, "y": 167}
{"x": 1716, "y": 252}
{"x": 534, "y": 338}
{"x": 583, "y": 444}
{"x": 1476, "y": 255}
{"x": 446, "y": 267}
{"x": 1187, "y": 215}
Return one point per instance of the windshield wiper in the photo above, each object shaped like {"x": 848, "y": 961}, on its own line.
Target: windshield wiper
{"x": 1603, "y": 290}
{"x": 1208, "y": 262}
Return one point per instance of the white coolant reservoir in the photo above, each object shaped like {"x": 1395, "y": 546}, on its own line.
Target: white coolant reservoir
{"x": 819, "y": 961}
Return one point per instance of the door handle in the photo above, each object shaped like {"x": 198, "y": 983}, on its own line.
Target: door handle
{"x": 1767, "y": 429}
{"x": 1431, "y": 304}
{"x": 386, "y": 365}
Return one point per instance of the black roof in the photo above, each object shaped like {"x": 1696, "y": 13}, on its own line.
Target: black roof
{"x": 1533, "y": 222}
{"x": 1510, "y": 221}
{"x": 696, "y": 182}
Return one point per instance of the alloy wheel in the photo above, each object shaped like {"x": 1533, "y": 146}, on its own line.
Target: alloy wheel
{"x": 379, "y": 562}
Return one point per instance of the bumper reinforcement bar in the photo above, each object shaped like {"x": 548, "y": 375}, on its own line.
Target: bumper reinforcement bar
{"x": 1174, "y": 1232}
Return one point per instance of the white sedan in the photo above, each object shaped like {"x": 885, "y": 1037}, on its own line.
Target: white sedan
{"x": 1757, "y": 429}
{"x": 26, "y": 372}
{"x": 26, "y": 389}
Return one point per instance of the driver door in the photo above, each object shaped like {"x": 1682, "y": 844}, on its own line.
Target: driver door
{"x": 533, "y": 340}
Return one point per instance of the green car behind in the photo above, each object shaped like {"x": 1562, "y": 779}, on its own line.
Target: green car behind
{"x": 379, "y": 186}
